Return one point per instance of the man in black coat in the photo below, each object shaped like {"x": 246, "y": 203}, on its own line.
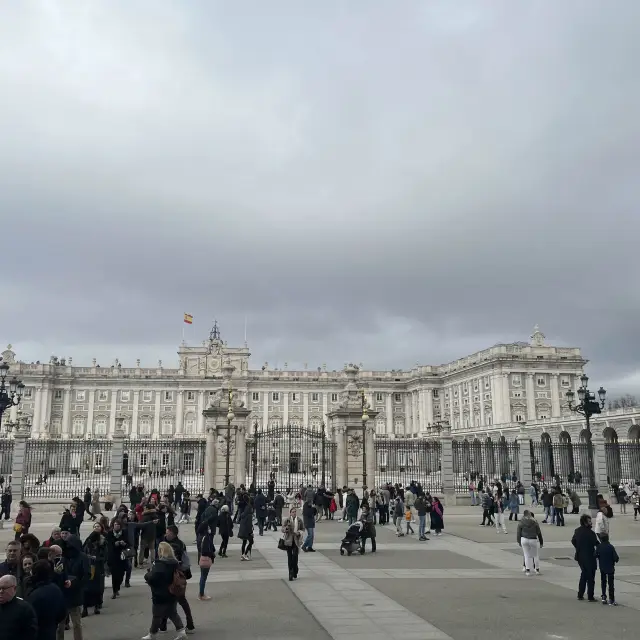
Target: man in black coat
{"x": 17, "y": 617}
{"x": 11, "y": 566}
{"x": 78, "y": 567}
{"x": 47, "y": 600}
{"x": 585, "y": 542}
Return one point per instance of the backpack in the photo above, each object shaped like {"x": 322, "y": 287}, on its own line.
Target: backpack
{"x": 178, "y": 586}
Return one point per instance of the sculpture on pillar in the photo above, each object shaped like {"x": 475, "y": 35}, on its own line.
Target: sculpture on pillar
{"x": 355, "y": 444}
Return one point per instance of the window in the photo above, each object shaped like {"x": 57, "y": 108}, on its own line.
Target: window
{"x": 98, "y": 460}
{"x": 446, "y": 394}
{"x": 487, "y": 396}
{"x": 164, "y": 459}
{"x": 295, "y": 397}
{"x": 466, "y": 400}
{"x": 516, "y": 380}
{"x": 436, "y": 393}
{"x": 27, "y": 394}
{"x": 167, "y": 426}
{"x": 489, "y": 420}
{"x": 565, "y": 382}
{"x": 146, "y": 396}
{"x": 190, "y": 425}
{"x": 100, "y": 427}
{"x": 455, "y": 393}
{"x": 315, "y": 424}
{"x": 487, "y": 385}
{"x": 77, "y": 427}
{"x": 543, "y": 416}
{"x": 275, "y": 460}
{"x": 334, "y": 397}
{"x": 314, "y": 458}
{"x": 542, "y": 394}
{"x": 378, "y": 397}
{"x": 56, "y": 426}
{"x": 314, "y": 397}
{"x": 187, "y": 462}
{"x": 57, "y": 394}
{"x": 275, "y": 396}
{"x": 144, "y": 458}
{"x": 145, "y": 426}
{"x": 541, "y": 381}
{"x": 125, "y": 395}
{"x": 255, "y": 396}
{"x": 103, "y": 396}
{"x": 397, "y": 397}
{"x": 275, "y": 423}
{"x": 517, "y": 394}
{"x": 126, "y": 425}
{"x": 475, "y": 387}
{"x": 80, "y": 395}
{"x": 168, "y": 396}
{"x": 191, "y": 396}
{"x": 476, "y": 398}
{"x": 519, "y": 417}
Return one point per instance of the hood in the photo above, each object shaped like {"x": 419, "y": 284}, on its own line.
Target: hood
{"x": 72, "y": 545}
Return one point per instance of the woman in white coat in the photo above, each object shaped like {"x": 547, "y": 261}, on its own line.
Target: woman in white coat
{"x": 292, "y": 529}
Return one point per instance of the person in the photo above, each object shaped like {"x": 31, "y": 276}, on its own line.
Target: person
{"x": 245, "y": 530}
{"x": 423, "y": 507}
{"x": 514, "y": 506}
{"x": 407, "y": 517}
{"x": 27, "y": 560}
{"x": 23, "y": 520}
{"x": 486, "y": 501}
{"x": 292, "y": 529}
{"x": 86, "y": 501}
{"x": 160, "y": 578}
{"x": 77, "y": 567}
{"x": 95, "y": 504}
{"x": 278, "y": 503}
{"x": 180, "y": 552}
{"x": 5, "y": 505}
{"x": 352, "y": 504}
{"x": 398, "y": 513}
{"x": 225, "y": 529}
{"x": 558, "y": 507}
{"x": 498, "y": 506}
{"x": 47, "y": 600}
{"x": 207, "y": 555}
{"x": 95, "y": 548}
{"x": 585, "y": 542}
{"x": 602, "y": 522}
{"x": 17, "y": 617}
{"x": 368, "y": 528}
{"x": 260, "y": 505}
{"x": 309, "y": 521}
{"x": 607, "y": 558}
{"x": 118, "y": 548}
{"x": 529, "y": 538}
{"x": 437, "y": 516}
{"x": 11, "y": 565}
{"x": 148, "y": 522}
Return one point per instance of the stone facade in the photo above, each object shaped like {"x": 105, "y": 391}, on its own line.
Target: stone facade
{"x": 487, "y": 394}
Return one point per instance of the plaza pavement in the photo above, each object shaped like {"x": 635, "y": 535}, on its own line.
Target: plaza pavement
{"x": 465, "y": 585}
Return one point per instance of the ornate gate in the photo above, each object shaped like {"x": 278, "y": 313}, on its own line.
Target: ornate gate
{"x": 291, "y": 455}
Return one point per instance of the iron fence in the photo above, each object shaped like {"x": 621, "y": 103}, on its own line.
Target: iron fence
{"x": 6, "y": 457}
{"x": 156, "y": 464}
{"x": 66, "y": 468}
{"x": 399, "y": 461}
{"x": 623, "y": 462}
{"x": 291, "y": 455}
{"x": 488, "y": 460}
{"x": 561, "y": 463}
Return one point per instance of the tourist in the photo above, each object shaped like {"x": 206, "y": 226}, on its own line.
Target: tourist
{"x": 635, "y": 501}
{"x": 71, "y": 520}
{"x": 87, "y": 503}
{"x": 369, "y": 529}
{"x": 95, "y": 548}
{"x": 423, "y": 507}
{"x": 5, "y": 505}
{"x": 533, "y": 494}
{"x": 529, "y": 538}
{"x": 23, "y": 520}
{"x": 292, "y": 529}
{"x": 352, "y": 505}
{"x": 54, "y": 538}
{"x": 558, "y": 507}
{"x": 95, "y": 504}
{"x": 27, "y": 560}
{"x": 78, "y": 567}
{"x": 245, "y": 529}
{"x": 225, "y": 529}
{"x": 498, "y": 506}
{"x": 547, "y": 502}
{"x": 486, "y": 501}
{"x": 437, "y": 516}
{"x": 398, "y": 515}
{"x": 178, "y": 494}
{"x": 17, "y": 617}
{"x": 602, "y": 522}
{"x": 164, "y": 602}
{"x": 407, "y": 517}
{"x": 575, "y": 501}
{"x": 278, "y": 503}
{"x": 410, "y": 501}
{"x": 148, "y": 520}
{"x": 47, "y": 600}
{"x": 514, "y": 506}
{"x": 184, "y": 564}
{"x": 309, "y": 521}
{"x": 260, "y": 506}
{"x": 11, "y": 565}
{"x": 607, "y": 559}
{"x": 207, "y": 554}
{"x": 585, "y": 542}
{"x": 118, "y": 554}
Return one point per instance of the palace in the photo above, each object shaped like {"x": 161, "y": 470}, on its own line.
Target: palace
{"x": 490, "y": 392}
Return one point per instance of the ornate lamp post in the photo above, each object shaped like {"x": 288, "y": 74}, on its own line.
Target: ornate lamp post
{"x": 230, "y": 417}
{"x": 588, "y": 406}
{"x": 365, "y": 419}
{"x": 9, "y": 396}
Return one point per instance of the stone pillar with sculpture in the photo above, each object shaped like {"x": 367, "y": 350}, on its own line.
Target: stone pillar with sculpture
{"x": 226, "y": 423}
{"x": 22, "y": 431}
{"x": 353, "y": 422}
{"x": 117, "y": 456}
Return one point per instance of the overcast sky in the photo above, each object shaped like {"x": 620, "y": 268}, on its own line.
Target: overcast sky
{"x": 378, "y": 182}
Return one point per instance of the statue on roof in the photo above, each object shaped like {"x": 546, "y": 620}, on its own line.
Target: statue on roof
{"x": 537, "y": 338}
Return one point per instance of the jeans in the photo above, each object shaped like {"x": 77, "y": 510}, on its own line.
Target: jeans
{"x": 422, "y": 526}
{"x": 560, "y": 517}
{"x": 531, "y": 551}
{"x": 246, "y": 546}
{"x": 187, "y": 612}
{"x": 163, "y": 611}
{"x": 472, "y": 495}
{"x": 144, "y": 544}
{"x": 292, "y": 560}
{"x": 76, "y": 623}
{"x": 500, "y": 522}
{"x": 363, "y": 543}
{"x": 308, "y": 541}
{"x": 587, "y": 580}
{"x": 604, "y": 578}
{"x": 204, "y": 574}
{"x": 260, "y": 524}
{"x": 486, "y": 515}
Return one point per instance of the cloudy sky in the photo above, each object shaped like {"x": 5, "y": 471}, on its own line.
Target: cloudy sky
{"x": 379, "y": 182}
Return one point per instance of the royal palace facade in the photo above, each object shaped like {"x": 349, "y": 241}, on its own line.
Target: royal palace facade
{"x": 490, "y": 393}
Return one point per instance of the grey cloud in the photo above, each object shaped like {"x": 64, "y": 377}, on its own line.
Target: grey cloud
{"x": 374, "y": 184}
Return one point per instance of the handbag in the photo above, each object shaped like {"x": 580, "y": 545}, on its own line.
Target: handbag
{"x": 205, "y": 562}
{"x": 17, "y": 528}
{"x": 127, "y": 553}
{"x": 281, "y": 545}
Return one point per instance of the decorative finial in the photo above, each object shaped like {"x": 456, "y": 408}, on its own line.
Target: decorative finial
{"x": 537, "y": 338}
{"x": 93, "y": 361}
{"x": 160, "y": 364}
{"x": 138, "y": 362}
{"x": 214, "y": 334}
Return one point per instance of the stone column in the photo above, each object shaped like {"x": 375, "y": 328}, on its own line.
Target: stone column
{"x": 241, "y": 456}
{"x": 555, "y": 397}
{"x": 89, "y": 426}
{"x": 506, "y": 398}
{"x": 428, "y": 419}
{"x": 180, "y": 413}
{"x": 136, "y": 409}
{"x": 341, "y": 458}
{"x": 37, "y": 412}
{"x": 372, "y": 465}
{"x": 18, "y": 464}
{"x": 111, "y": 428}
{"x": 117, "y": 455}
{"x": 448, "y": 486}
{"x": 600, "y": 463}
{"x": 524, "y": 458}
{"x": 201, "y": 421}
{"x": 389, "y": 412}
{"x": 66, "y": 414}
{"x": 156, "y": 417}
{"x": 210, "y": 454}
{"x": 531, "y": 397}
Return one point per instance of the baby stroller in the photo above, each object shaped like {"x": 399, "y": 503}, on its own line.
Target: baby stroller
{"x": 351, "y": 540}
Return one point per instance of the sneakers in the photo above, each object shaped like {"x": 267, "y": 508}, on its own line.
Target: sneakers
{"x": 181, "y": 634}
{"x": 604, "y": 599}
{"x": 204, "y": 598}
{"x": 524, "y": 569}
{"x": 527, "y": 572}
{"x": 613, "y": 603}
{"x": 537, "y": 571}
{"x": 150, "y": 636}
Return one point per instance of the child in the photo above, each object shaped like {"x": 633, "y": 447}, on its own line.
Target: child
{"x": 407, "y": 517}
{"x": 635, "y": 499}
{"x": 607, "y": 557}
{"x": 271, "y": 517}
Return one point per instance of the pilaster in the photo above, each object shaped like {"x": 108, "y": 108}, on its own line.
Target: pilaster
{"x": 524, "y": 457}
{"x": 446, "y": 451}
{"x": 117, "y": 456}
{"x": 600, "y": 464}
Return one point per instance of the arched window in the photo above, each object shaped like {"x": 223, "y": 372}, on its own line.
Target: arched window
{"x": 56, "y": 426}
{"x": 145, "y": 426}
{"x": 77, "y": 426}
{"x": 167, "y": 426}
{"x": 100, "y": 427}
{"x": 190, "y": 424}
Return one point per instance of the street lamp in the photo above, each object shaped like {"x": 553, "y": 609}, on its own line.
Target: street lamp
{"x": 588, "y": 406}
{"x": 230, "y": 417}
{"x": 9, "y": 396}
{"x": 365, "y": 419}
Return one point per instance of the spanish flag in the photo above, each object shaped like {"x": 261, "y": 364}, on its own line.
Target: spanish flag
{"x": 188, "y": 318}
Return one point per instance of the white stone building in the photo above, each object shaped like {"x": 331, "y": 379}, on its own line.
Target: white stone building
{"x": 486, "y": 394}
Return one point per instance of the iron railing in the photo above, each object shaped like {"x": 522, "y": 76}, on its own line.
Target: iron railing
{"x": 66, "y": 468}
{"x": 291, "y": 456}
{"x": 156, "y": 464}
{"x": 561, "y": 463}
{"x": 399, "y": 461}
{"x": 623, "y": 462}
{"x": 488, "y": 460}
{"x": 6, "y": 457}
